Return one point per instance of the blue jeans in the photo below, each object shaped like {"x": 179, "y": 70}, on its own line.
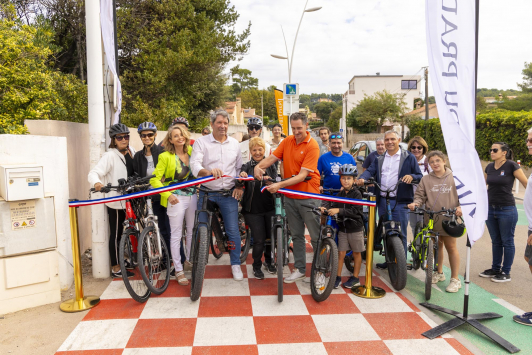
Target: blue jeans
{"x": 501, "y": 225}
{"x": 229, "y": 208}
{"x": 400, "y": 213}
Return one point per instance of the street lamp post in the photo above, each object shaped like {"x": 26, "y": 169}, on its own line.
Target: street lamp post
{"x": 290, "y": 59}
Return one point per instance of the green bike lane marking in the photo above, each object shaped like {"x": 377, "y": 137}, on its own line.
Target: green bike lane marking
{"x": 521, "y": 220}
{"x": 480, "y": 301}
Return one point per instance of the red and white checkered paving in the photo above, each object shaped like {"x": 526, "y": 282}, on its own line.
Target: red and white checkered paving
{"x": 244, "y": 317}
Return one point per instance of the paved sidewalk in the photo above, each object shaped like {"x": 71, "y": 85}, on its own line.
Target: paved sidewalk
{"x": 246, "y": 318}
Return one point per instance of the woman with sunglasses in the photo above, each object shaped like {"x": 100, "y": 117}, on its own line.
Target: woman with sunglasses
{"x": 418, "y": 147}
{"x": 502, "y": 213}
{"x": 145, "y": 162}
{"x": 116, "y": 163}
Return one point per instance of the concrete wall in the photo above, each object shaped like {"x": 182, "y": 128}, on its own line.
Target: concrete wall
{"x": 53, "y": 154}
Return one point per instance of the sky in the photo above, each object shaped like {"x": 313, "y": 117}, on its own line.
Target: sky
{"x": 363, "y": 37}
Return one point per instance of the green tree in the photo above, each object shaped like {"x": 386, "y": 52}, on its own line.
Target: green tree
{"x": 242, "y": 80}
{"x": 172, "y": 54}
{"x": 481, "y": 104}
{"x": 252, "y": 98}
{"x": 526, "y": 85}
{"x": 29, "y": 88}
{"x": 324, "y": 109}
{"x": 520, "y": 103}
{"x": 373, "y": 110}
{"x": 334, "y": 120}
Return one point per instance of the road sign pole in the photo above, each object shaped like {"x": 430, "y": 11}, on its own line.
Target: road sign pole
{"x": 289, "y": 127}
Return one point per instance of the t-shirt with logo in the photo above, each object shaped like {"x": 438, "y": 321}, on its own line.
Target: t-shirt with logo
{"x": 329, "y": 167}
{"x": 500, "y": 182}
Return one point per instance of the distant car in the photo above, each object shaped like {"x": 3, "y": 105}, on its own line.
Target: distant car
{"x": 362, "y": 149}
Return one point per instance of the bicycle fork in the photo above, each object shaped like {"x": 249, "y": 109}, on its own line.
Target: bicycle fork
{"x": 159, "y": 252}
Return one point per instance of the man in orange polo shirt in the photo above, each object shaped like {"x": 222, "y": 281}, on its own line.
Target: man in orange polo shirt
{"x": 300, "y": 154}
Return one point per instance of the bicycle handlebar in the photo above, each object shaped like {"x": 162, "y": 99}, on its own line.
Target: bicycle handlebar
{"x": 393, "y": 188}
{"x": 124, "y": 184}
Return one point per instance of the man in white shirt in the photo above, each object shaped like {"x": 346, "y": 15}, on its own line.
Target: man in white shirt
{"x": 254, "y": 130}
{"x": 218, "y": 154}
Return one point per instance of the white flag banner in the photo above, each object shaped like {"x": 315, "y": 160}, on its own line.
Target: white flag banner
{"x": 107, "y": 23}
{"x": 451, "y": 51}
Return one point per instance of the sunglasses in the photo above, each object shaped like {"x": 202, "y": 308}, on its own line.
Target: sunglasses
{"x": 494, "y": 150}
{"x": 119, "y": 138}
{"x": 254, "y": 128}
{"x": 414, "y": 147}
{"x": 336, "y": 136}
{"x": 529, "y": 140}
{"x": 147, "y": 135}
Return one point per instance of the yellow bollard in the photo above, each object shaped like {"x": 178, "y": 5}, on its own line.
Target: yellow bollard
{"x": 369, "y": 291}
{"x": 80, "y": 303}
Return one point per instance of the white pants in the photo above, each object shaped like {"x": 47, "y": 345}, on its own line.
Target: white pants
{"x": 184, "y": 209}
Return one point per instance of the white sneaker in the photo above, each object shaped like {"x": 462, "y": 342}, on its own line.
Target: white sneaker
{"x": 436, "y": 277}
{"x": 237, "y": 273}
{"x": 454, "y": 286}
{"x": 296, "y": 275}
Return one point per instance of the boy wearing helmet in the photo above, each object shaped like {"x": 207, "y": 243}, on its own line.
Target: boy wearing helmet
{"x": 254, "y": 130}
{"x": 350, "y": 224}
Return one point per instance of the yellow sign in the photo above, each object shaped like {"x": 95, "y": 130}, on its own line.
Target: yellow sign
{"x": 22, "y": 214}
{"x": 283, "y": 120}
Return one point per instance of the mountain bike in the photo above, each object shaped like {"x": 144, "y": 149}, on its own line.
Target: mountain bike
{"x": 154, "y": 260}
{"x": 424, "y": 247}
{"x": 220, "y": 241}
{"x": 389, "y": 231}
{"x": 127, "y": 251}
{"x": 325, "y": 261}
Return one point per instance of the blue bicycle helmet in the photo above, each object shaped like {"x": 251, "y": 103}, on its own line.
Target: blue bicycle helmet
{"x": 147, "y": 126}
{"x": 348, "y": 169}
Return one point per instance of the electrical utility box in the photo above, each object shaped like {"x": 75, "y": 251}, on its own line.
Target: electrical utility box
{"x": 21, "y": 182}
{"x": 29, "y": 269}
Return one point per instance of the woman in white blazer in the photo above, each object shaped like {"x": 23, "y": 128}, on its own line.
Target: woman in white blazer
{"x": 116, "y": 163}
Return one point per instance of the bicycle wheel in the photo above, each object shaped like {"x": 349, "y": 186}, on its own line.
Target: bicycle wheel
{"x": 245, "y": 238}
{"x": 135, "y": 286}
{"x": 279, "y": 255}
{"x": 416, "y": 243}
{"x": 201, "y": 253}
{"x": 396, "y": 258}
{"x": 153, "y": 263}
{"x": 216, "y": 235}
{"x": 429, "y": 269}
{"x": 324, "y": 269}
{"x": 349, "y": 263}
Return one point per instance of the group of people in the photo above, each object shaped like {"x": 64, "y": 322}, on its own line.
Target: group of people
{"x": 295, "y": 158}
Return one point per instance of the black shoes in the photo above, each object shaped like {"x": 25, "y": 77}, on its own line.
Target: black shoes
{"x": 489, "y": 273}
{"x": 269, "y": 268}
{"x": 502, "y": 277}
{"x": 382, "y": 266}
{"x": 118, "y": 274}
{"x": 259, "y": 275}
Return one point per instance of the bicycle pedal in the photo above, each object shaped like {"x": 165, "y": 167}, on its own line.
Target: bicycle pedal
{"x": 231, "y": 245}
{"x": 409, "y": 266}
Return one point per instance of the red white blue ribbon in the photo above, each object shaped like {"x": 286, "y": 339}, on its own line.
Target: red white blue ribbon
{"x": 351, "y": 201}
{"x": 156, "y": 191}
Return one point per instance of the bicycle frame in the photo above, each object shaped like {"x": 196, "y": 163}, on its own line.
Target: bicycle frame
{"x": 426, "y": 233}
{"x": 279, "y": 220}
{"x": 131, "y": 221}
{"x": 152, "y": 218}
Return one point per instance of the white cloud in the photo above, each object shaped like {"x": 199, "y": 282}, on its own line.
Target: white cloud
{"x": 362, "y": 37}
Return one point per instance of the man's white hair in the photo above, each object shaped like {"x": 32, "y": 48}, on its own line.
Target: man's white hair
{"x": 529, "y": 131}
{"x": 392, "y": 131}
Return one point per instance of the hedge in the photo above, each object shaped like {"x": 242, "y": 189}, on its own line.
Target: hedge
{"x": 493, "y": 126}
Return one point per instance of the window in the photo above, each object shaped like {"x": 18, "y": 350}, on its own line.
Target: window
{"x": 408, "y": 84}
{"x": 362, "y": 152}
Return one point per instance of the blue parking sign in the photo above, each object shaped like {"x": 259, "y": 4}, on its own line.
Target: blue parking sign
{"x": 291, "y": 89}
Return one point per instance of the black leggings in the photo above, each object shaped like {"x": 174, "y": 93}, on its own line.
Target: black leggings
{"x": 116, "y": 226}
{"x": 261, "y": 226}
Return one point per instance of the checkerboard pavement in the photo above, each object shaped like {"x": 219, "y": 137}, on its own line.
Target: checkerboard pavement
{"x": 233, "y": 317}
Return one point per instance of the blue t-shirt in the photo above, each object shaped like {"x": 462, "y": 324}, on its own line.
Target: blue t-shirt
{"x": 329, "y": 167}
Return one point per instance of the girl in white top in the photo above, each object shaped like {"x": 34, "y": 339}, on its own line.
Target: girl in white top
{"x": 419, "y": 148}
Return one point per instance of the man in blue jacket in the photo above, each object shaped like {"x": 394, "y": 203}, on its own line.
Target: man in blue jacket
{"x": 395, "y": 165}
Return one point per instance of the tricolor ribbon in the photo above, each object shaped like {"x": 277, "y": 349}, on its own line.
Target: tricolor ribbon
{"x": 350, "y": 201}
{"x": 181, "y": 185}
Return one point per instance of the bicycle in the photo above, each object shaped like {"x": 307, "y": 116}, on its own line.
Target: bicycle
{"x": 424, "y": 246}
{"x": 154, "y": 257}
{"x": 201, "y": 239}
{"x": 325, "y": 260}
{"x": 389, "y": 231}
{"x": 220, "y": 241}
{"x": 127, "y": 250}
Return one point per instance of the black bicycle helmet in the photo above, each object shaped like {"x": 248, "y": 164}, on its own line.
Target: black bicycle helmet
{"x": 180, "y": 119}
{"x": 147, "y": 126}
{"x": 117, "y": 129}
{"x": 255, "y": 121}
{"x": 453, "y": 228}
{"x": 348, "y": 169}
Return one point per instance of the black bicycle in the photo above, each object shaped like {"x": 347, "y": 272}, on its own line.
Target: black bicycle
{"x": 389, "y": 232}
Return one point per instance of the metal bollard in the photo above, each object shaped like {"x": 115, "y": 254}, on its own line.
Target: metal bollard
{"x": 368, "y": 290}
{"x": 79, "y": 303}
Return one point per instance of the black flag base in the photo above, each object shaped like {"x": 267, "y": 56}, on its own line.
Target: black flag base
{"x": 464, "y": 318}
{"x": 472, "y": 320}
